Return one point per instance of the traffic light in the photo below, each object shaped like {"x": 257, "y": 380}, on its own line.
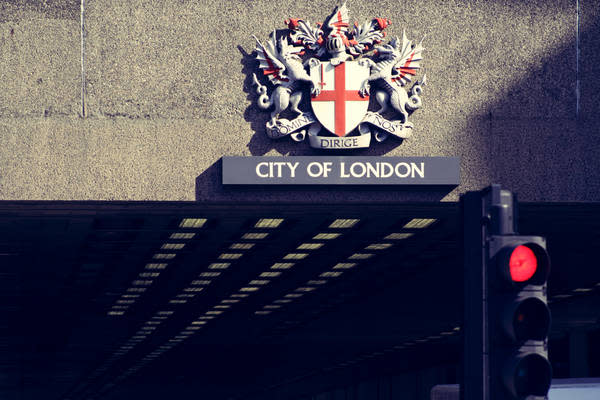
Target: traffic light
{"x": 506, "y": 315}
{"x": 518, "y": 317}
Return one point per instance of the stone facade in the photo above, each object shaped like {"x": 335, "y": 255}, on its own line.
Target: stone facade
{"x": 164, "y": 90}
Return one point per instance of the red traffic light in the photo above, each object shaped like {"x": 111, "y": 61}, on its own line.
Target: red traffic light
{"x": 522, "y": 263}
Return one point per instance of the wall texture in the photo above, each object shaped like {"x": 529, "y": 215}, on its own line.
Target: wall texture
{"x": 167, "y": 92}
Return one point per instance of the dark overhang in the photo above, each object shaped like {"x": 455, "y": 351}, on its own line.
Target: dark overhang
{"x": 232, "y": 300}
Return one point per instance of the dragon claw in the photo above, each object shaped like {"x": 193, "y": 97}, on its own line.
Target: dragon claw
{"x": 313, "y": 62}
{"x": 366, "y": 62}
{"x": 364, "y": 89}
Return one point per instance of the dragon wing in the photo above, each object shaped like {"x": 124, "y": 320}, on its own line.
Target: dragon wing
{"x": 367, "y": 35}
{"x": 409, "y": 62}
{"x": 302, "y": 33}
{"x": 269, "y": 61}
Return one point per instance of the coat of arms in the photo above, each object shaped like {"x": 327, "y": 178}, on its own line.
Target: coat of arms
{"x": 340, "y": 69}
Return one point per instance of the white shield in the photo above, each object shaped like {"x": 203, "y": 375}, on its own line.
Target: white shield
{"x": 339, "y": 107}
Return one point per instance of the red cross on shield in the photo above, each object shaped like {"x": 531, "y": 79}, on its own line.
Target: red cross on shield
{"x": 339, "y": 107}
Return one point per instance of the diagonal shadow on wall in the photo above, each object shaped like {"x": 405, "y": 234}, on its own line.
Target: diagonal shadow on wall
{"x": 534, "y": 128}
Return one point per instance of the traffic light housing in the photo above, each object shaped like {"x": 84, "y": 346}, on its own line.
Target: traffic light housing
{"x": 506, "y": 315}
{"x": 518, "y": 316}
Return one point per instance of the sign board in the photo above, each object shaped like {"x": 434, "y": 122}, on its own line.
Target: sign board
{"x": 341, "y": 170}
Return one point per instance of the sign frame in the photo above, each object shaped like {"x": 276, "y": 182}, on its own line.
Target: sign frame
{"x": 340, "y": 171}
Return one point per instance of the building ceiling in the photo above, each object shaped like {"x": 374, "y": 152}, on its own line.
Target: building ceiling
{"x": 105, "y": 299}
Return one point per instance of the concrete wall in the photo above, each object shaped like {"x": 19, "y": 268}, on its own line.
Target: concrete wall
{"x": 167, "y": 93}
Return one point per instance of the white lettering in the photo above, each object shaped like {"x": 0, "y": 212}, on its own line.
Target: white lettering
{"x": 356, "y": 174}
{"x": 390, "y": 170}
{"x": 357, "y": 169}
{"x": 292, "y": 168}
{"x": 372, "y": 170}
{"x": 397, "y": 169}
{"x": 327, "y": 168}
{"x": 420, "y": 172}
{"x": 309, "y": 169}
{"x": 261, "y": 164}
{"x": 278, "y": 165}
{"x": 343, "y": 173}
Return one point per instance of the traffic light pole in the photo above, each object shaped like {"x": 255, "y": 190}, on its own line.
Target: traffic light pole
{"x": 506, "y": 317}
{"x": 475, "y": 359}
